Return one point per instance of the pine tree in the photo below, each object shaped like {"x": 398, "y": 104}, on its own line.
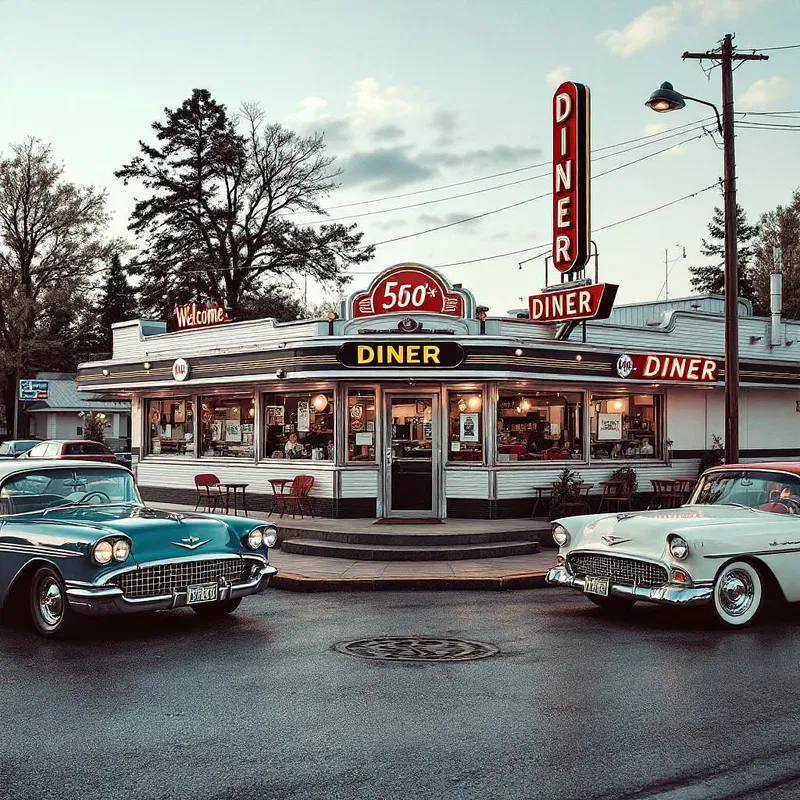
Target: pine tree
{"x": 115, "y": 303}
{"x": 710, "y": 279}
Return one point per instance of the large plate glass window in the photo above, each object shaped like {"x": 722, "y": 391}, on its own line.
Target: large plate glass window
{"x": 465, "y": 426}
{"x": 227, "y": 426}
{"x": 626, "y": 426}
{"x": 539, "y": 425}
{"x": 360, "y": 425}
{"x": 299, "y": 425}
{"x": 171, "y": 424}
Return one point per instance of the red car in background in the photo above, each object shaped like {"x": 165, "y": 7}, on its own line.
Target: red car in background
{"x": 79, "y": 449}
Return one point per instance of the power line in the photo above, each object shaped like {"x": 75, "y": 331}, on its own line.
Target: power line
{"x": 658, "y": 136}
{"x": 546, "y": 248}
{"x": 767, "y": 126}
{"x": 548, "y": 174}
{"x": 765, "y": 49}
{"x": 522, "y": 202}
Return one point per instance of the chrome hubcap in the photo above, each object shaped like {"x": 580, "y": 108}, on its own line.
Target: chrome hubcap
{"x": 51, "y": 602}
{"x": 736, "y": 592}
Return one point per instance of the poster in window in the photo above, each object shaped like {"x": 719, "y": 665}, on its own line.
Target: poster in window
{"x": 469, "y": 427}
{"x": 216, "y": 431}
{"x": 274, "y": 415}
{"x": 356, "y": 411}
{"x": 303, "y": 416}
{"x": 609, "y": 427}
{"x": 179, "y": 412}
{"x": 233, "y": 431}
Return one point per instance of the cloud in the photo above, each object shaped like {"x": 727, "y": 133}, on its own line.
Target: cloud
{"x": 372, "y": 99}
{"x": 389, "y": 224}
{"x": 387, "y": 133}
{"x": 657, "y": 23}
{"x": 557, "y": 76}
{"x": 763, "y": 93}
{"x": 653, "y": 127}
{"x": 448, "y": 219}
{"x": 652, "y": 26}
{"x": 384, "y": 169}
{"x": 447, "y": 124}
{"x": 313, "y": 117}
{"x": 500, "y": 155}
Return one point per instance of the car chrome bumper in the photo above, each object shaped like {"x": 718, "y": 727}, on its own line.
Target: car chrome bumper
{"x": 96, "y": 601}
{"x": 670, "y": 594}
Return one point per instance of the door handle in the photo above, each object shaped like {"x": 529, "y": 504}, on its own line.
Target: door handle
{"x": 388, "y": 455}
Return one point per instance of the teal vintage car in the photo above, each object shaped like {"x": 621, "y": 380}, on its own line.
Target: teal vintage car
{"x": 76, "y": 540}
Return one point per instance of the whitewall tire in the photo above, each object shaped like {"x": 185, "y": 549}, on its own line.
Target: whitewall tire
{"x": 738, "y": 594}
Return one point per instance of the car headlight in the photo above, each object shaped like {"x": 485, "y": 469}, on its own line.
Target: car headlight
{"x": 270, "y": 536}
{"x": 255, "y": 539}
{"x": 678, "y": 547}
{"x": 560, "y": 535}
{"x": 122, "y": 549}
{"x": 103, "y": 552}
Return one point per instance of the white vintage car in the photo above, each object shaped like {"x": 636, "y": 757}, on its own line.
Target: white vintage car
{"x": 734, "y": 546}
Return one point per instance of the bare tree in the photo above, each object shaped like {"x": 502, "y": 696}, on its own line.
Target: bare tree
{"x": 51, "y": 239}
{"x": 218, "y": 217}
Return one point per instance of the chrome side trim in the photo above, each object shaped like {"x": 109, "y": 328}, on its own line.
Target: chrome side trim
{"x": 752, "y": 553}
{"x": 13, "y": 547}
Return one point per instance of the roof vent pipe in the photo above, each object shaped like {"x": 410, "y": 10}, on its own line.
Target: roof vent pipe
{"x": 775, "y": 297}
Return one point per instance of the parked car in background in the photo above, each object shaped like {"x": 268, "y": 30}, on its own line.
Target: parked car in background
{"x": 81, "y": 449}
{"x": 733, "y": 546}
{"x": 76, "y": 540}
{"x": 16, "y": 447}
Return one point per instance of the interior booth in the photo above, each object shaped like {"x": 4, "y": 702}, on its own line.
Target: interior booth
{"x": 432, "y": 410}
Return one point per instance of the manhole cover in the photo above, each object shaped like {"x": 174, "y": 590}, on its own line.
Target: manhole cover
{"x": 416, "y": 648}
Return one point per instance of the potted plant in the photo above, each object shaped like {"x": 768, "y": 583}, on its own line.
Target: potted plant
{"x": 566, "y": 499}
{"x": 628, "y": 476}
{"x": 714, "y": 456}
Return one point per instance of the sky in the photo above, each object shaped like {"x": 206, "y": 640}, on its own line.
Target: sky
{"x": 416, "y": 95}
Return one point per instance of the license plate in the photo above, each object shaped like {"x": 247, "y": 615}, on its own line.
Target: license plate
{"x": 596, "y": 586}
{"x": 202, "y": 593}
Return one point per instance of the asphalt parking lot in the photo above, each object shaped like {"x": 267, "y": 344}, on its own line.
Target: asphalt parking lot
{"x": 261, "y": 705}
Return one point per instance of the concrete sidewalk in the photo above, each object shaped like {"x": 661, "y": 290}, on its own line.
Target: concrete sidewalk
{"x": 316, "y": 574}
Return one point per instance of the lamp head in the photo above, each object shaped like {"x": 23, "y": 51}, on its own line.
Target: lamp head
{"x": 665, "y": 98}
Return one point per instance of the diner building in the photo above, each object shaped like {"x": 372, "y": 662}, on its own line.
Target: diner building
{"x": 410, "y": 403}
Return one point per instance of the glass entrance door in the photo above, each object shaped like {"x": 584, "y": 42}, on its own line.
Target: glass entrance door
{"x": 412, "y": 454}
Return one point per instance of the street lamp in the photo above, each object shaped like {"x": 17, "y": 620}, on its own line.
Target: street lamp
{"x": 663, "y": 100}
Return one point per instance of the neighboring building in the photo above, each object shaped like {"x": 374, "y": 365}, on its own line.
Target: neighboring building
{"x": 61, "y": 416}
{"x": 411, "y": 405}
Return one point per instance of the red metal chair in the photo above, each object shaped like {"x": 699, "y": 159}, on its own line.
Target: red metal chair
{"x": 296, "y": 496}
{"x": 665, "y": 494}
{"x": 616, "y": 494}
{"x": 209, "y": 492}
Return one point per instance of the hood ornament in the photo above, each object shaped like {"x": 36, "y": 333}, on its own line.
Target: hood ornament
{"x": 191, "y": 542}
{"x": 614, "y": 539}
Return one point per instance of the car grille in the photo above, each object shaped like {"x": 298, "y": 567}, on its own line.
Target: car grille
{"x": 620, "y": 570}
{"x": 163, "y": 578}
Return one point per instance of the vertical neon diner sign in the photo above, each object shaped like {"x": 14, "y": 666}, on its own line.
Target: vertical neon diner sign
{"x": 571, "y": 177}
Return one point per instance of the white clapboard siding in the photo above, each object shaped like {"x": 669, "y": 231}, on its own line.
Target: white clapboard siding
{"x": 513, "y": 483}
{"x": 359, "y": 483}
{"x": 237, "y": 337}
{"x": 518, "y": 329}
{"x": 177, "y": 475}
{"x": 471, "y": 483}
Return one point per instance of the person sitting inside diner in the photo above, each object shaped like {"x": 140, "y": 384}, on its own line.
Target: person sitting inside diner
{"x": 293, "y": 448}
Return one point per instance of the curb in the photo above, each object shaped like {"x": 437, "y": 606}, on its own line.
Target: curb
{"x": 300, "y": 583}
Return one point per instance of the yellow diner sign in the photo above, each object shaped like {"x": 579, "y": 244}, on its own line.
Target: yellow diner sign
{"x": 388, "y": 355}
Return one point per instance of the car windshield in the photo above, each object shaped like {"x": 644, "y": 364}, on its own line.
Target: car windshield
{"x": 39, "y": 489}
{"x": 765, "y": 491}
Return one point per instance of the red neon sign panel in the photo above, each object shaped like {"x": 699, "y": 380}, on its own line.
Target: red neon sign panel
{"x": 194, "y": 315}
{"x": 409, "y": 288}
{"x": 663, "y": 367}
{"x": 571, "y": 184}
{"x": 580, "y": 302}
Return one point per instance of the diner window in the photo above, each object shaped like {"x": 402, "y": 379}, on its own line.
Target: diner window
{"x": 299, "y": 425}
{"x": 360, "y": 425}
{"x": 626, "y": 426}
{"x": 171, "y": 427}
{"x": 539, "y": 425}
{"x": 465, "y": 426}
{"x": 227, "y": 426}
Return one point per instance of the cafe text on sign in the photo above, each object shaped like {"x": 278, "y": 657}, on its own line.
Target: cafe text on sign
{"x": 580, "y": 302}
{"x": 571, "y": 178}
{"x": 194, "y": 315}
{"x": 393, "y": 355}
{"x": 662, "y": 367}
{"x": 410, "y": 287}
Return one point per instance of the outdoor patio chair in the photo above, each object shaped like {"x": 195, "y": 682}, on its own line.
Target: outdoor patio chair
{"x": 616, "y": 495}
{"x": 297, "y": 495}
{"x": 209, "y": 492}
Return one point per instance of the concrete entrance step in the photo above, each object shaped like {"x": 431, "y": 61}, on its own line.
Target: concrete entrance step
{"x": 396, "y": 536}
{"x": 414, "y": 552}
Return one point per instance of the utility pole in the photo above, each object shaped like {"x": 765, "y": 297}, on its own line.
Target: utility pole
{"x": 725, "y": 56}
